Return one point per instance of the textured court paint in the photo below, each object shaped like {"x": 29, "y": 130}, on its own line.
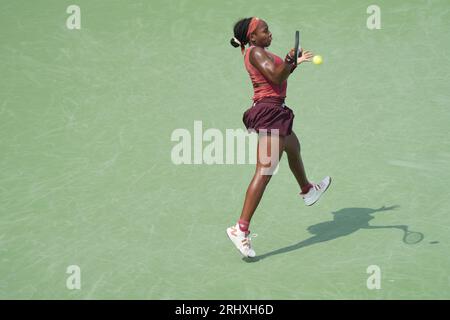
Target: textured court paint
{"x": 85, "y": 171}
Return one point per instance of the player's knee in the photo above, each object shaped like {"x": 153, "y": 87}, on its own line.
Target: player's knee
{"x": 294, "y": 152}
{"x": 296, "y": 145}
{"x": 265, "y": 178}
{"x": 293, "y": 148}
{"x": 264, "y": 175}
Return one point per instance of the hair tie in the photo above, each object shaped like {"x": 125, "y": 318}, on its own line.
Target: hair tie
{"x": 237, "y": 41}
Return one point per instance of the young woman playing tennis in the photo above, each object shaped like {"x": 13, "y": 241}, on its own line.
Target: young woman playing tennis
{"x": 272, "y": 119}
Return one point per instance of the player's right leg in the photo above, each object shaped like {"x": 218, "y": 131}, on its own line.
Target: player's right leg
{"x": 265, "y": 166}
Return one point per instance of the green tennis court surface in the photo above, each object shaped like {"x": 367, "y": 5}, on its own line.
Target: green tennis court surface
{"x": 86, "y": 176}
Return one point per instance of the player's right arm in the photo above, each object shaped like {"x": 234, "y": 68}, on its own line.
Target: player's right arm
{"x": 261, "y": 61}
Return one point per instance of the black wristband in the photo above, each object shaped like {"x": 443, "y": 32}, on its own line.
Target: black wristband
{"x": 289, "y": 60}
{"x": 293, "y": 68}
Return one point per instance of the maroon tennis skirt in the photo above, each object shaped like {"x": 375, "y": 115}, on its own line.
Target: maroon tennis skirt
{"x": 269, "y": 113}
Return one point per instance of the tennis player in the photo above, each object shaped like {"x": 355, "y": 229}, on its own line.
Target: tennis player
{"x": 271, "y": 119}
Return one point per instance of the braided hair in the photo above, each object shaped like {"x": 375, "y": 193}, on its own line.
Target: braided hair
{"x": 240, "y": 33}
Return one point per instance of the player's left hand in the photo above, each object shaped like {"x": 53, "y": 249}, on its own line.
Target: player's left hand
{"x": 306, "y": 56}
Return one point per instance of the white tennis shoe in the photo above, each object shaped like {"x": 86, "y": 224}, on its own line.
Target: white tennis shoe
{"x": 242, "y": 241}
{"x": 316, "y": 191}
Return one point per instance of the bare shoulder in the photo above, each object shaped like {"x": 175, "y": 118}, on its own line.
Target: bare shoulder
{"x": 258, "y": 54}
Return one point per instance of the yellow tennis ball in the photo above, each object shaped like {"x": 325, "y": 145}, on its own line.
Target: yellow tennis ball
{"x": 317, "y": 60}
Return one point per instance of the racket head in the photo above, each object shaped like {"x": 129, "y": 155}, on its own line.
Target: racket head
{"x": 412, "y": 237}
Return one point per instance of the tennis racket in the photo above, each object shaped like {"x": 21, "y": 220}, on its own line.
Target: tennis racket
{"x": 412, "y": 237}
{"x": 297, "y": 47}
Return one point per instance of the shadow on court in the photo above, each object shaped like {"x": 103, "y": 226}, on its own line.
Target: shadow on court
{"x": 345, "y": 221}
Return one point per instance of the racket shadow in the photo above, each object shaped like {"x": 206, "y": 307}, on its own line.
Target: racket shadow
{"x": 345, "y": 221}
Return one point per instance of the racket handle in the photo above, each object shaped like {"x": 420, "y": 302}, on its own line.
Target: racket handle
{"x": 290, "y": 60}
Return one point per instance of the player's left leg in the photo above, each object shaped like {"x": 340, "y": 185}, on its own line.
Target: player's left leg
{"x": 292, "y": 149}
{"x": 311, "y": 192}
